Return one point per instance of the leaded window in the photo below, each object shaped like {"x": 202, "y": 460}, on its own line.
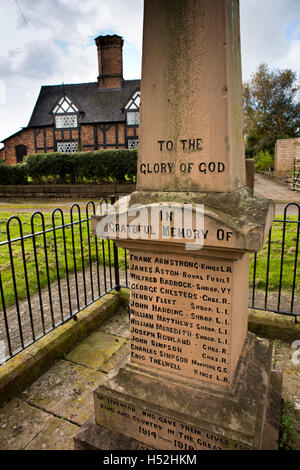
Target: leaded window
{"x": 66, "y": 114}
{"x": 133, "y": 143}
{"x": 67, "y": 147}
{"x": 133, "y": 118}
{"x": 66, "y": 121}
{"x": 132, "y": 109}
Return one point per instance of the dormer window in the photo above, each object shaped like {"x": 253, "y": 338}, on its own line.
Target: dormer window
{"x": 132, "y": 110}
{"x": 66, "y": 114}
{"x": 133, "y": 118}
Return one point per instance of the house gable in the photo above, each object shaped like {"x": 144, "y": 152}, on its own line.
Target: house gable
{"x": 86, "y": 116}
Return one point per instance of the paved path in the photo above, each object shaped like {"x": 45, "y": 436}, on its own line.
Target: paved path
{"x": 48, "y": 414}
{"x": 279, "y": 192}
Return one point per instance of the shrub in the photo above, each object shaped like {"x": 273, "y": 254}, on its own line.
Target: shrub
{"x": 13, "y": 174}
{"x": 50, "y": 167}
{"x": 121, "y": 164}
{"x": 264, "y": 161}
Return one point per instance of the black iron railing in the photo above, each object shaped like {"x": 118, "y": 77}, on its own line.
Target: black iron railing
{"x": 275, "y": 273}
{"x": 52, "y": 267}
{"x": 53, "y": 272}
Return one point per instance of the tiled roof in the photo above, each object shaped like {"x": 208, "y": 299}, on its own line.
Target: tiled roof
{"x": 95, "y": 105}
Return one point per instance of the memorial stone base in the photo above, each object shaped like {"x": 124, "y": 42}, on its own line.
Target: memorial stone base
{"x": 141, "y": 408}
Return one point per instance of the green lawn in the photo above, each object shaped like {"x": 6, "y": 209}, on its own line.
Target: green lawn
{"x": 75, "y": 250}
{"x": 276, "y": 254}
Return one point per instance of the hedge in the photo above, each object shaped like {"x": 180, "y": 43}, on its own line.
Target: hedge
{"x": 81, "y": 167}
{"x": 13, "y": 174}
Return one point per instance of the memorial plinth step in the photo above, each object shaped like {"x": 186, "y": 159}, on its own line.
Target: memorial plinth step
{"x": 163, "y": 412}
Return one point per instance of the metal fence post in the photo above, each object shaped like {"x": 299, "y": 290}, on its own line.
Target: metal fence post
{"x": 116, "y": 257}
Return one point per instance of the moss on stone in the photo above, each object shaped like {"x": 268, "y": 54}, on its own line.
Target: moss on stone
{"x": 273, "y": 326}
{"x": 23, "y": 369}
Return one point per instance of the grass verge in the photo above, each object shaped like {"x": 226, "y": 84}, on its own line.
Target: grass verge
{"x": 281, "y": 267}
{"x": 47, "y": 256}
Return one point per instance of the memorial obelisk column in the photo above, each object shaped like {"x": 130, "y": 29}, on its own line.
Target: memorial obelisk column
{"x": 191, "y": 98}
{"x": 195, "y": 379}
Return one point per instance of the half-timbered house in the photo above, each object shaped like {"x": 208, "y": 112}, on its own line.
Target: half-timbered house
{"x": 85, "y": 116}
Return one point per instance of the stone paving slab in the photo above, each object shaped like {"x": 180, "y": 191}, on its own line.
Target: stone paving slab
{"x": 50, "y": 412}
{"x": 270, "y": 188}
{"x": 56, "y": 435}
{"x": 66, "y": 390}
{"x": 119, "y": 324}
{"x": 116, "y": 361}
{"x": 20, "y": 424}
{"x": 96, "y": 350}
{"x": 55, "y": 313}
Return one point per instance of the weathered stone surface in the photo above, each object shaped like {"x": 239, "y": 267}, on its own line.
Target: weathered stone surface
{"x": 274, "y": 326}
{"x": 117, "y": 360}
{"x": 119, "y": 324}
{"x": 66, "y": 391}
{"x": 167, "y": 413}
{"x": 65, "y": 191}
{"x": 20, "y": 424}
{"x": 94, "y": 437}
{"x": 191, "y": 89}
{"x": 188, "y": 314}
{"x": 57, "y": 434}
{"x": 250, "y": 174}
{"x": 96, "y": 350}
{"x": 291, "y": 387}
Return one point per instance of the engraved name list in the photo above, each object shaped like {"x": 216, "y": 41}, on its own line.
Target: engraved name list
{"x": 181, "y": 315}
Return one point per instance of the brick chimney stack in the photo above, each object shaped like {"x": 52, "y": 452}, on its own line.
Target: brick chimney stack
{"x": 110, "y": 58}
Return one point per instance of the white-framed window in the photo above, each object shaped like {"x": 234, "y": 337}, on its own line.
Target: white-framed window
{"x": 66, "y": 121}
{"x": 132, "y": 109}
{"x": 133, "y": 118}
{"x": 133, "y": 143}
{"x": 67, "y": 147}
{"x": 66, "y": 114}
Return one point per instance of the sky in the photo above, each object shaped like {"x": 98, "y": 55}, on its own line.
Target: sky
{"x": 47, "y": 42}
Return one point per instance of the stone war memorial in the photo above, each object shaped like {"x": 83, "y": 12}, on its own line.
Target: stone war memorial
{"x": 195, "y": 378}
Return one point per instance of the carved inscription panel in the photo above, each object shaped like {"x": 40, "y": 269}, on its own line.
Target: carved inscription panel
{"x": 181, "y": 315}
{"x": 158, "y": 431}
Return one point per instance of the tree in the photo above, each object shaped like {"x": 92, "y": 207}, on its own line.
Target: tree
{"x": 271, "y": 108}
